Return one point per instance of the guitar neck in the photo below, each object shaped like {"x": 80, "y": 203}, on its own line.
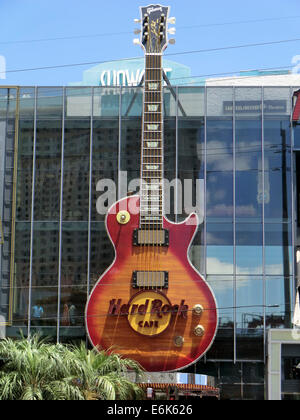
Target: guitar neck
{"x": 152, "y": 158}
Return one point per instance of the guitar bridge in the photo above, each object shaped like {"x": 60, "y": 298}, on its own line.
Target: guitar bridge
{"x": 150, "y": 280}
{"x": 151, "y": 237}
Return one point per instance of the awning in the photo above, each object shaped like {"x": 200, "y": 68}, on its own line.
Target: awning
{"x": 202, "y": 389}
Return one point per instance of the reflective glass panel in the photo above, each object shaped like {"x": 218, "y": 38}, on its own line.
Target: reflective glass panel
{"x": 219, "y": 260}
{"x": 105, "y": 166}
{"x": 248, "y": 144}
{"x": 132, "y": 101}
{"x": 279, "y": 301}
{"x": 249, "y": 318}
{"x": 222, "y": 287}
{"x": 191, "y": 101}
{"x": 219, "y": 234}
{"x": 49, "y": 102}
{"x": 248, "y": 195}
{"x": 102, "y": 252}
{"x": 106, "y": 102}
{"x": 76, "y": 169}
{"x": 27, "y": 102}
{"x": 45, "y": 273}
{"x": 25, "y": 162}
{"x": 73, "y": 273}
{"x": 219, "y": 144}
{"x": 78, "y": 102}
{"x": 219, "y": 196}
{"x": 48, "y": 169}
{"x": 249, "y": 259}
{"x": 21, "y": 282}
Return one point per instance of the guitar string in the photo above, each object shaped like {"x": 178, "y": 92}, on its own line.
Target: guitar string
{"x": 156, "y": 152}
{"x": 148, "y": 96}
{"x": 148, "y": 232}
{"x": 160, "y": 154}
{"x": 152, "y": 162}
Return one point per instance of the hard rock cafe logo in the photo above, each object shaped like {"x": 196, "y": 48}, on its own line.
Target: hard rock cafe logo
{"x": 148, "y": 312}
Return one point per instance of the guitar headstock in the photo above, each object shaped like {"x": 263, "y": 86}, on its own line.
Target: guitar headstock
{"x": 154, "y": 28}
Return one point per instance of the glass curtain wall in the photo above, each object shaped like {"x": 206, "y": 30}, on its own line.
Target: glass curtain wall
{"x": 227, "y": 156}
{"x": 9, "y": 115}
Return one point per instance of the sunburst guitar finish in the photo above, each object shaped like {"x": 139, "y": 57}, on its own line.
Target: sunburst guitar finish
{"x": 164, "y": 329}
{"x": 151, "y": 304}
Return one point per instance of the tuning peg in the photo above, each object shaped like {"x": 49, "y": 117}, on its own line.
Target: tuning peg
{"x": 172, "y": 20}
{"x": 136, "y": 41}
{"x": 172, "y": 41}
{"x": 172, "y": 31}
{"x": 137, "y": 20}
{"x": 137, "y": 31}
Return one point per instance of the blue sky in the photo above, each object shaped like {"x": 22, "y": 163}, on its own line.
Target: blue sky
{"x": 104, "y": 31}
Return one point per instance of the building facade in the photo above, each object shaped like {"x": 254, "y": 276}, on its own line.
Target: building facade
{"x": 58, "y": 145}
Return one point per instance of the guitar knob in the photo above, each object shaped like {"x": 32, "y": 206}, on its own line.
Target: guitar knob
{"x": 198, "y": 309}
{"x": 178, "y": 341}
{"x": 199, "y": 330}
{"x": 123, "y": 217}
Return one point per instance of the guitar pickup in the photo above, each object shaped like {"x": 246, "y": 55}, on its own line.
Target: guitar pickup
{"x": 150, "y": 279}
{"x": 151, "y": 237}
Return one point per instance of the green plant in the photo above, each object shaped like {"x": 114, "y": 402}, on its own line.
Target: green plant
{"x": 35, "y": 369}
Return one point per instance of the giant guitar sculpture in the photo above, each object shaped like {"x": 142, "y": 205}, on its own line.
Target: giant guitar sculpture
{"x": 151, "y": 304}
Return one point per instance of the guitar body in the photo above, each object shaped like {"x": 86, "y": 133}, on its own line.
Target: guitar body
{"x": 152, "y": 305}
{"x": 164, "y": 328}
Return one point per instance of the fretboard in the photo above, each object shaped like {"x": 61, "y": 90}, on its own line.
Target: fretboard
{"x": 151, "y": 194}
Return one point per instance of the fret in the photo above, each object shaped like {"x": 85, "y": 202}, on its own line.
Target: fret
{"x": 154, "y": 124}
{"x": 152, "y": 95}
{"x": 156, "y": 118}
{"x": 150, "y": 221}
{"x": 147, "y": 197}
{"x": 151, "y": 173}
{"x": 152, "y": 145}
{"x": 152, "y": 206}
{"x": 152, "y": 91}
{"x": 151, "y": 189}
{"x": 157, "y": 204}
{"x": 156, "y": 163}
{"x": 151, "y": 218}
{"x": 151, "y": 209}
{"x": 152, "y": 157}
{"x": 146, "y": 182}
{"x": 150, "y": 199}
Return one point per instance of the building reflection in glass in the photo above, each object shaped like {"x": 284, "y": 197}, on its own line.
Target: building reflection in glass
{"x": 69, "y": 139}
